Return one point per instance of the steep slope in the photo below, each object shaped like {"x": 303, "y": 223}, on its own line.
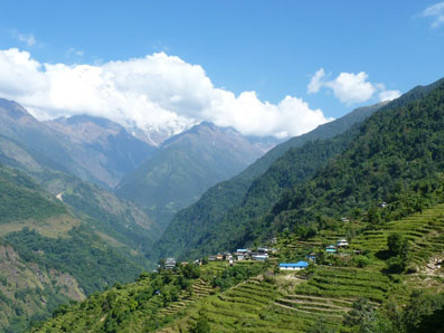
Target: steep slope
{"x": 186, "y": 166}
{"x": 44, "y": 248}
{"x": 103, "y": 147}
{"x": 22, "y": 199}
{"x": 29, "y": 292}
{"x": 117, "y": 220}
{"x": 199, "y": 229}
{"x": 252, "y": 298}
{"x": 252, "y": 192}
{"x": 93, "y": 149}
{"x": 397, "y": 158}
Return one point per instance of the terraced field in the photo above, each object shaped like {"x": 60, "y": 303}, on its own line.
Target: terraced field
{"x": 269, "y": 305}
{"x": 259, "y": 306}
{"x": 425, "y": 232}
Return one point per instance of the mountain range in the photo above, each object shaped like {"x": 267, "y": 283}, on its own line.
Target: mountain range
{"x": 186, "y": 165}
{"x": 60, "y": 216}
{"x": 378, "y": 183}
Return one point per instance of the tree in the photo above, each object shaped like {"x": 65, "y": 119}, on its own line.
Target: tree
{"x": 398, "y": 251}
{"x": 202, "y": 325}
{"x": 362, "y": 312}
{"x": 424, "y": 313}
{"x": 397, "y": 245}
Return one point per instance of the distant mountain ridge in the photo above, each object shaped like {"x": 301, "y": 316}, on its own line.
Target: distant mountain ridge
{"x": 185, "y": 166}
{"x": 105, "y": 148}
{"x": 96, "y": 150}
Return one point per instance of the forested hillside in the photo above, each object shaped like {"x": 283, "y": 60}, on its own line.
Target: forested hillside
{"x": 397, "y": 158}
{"x": 54, "y": 250}
{"x": 119, "y": 220}
{"x": 345, "y": 292}
{"x": 191, "y": 227}
{"x": 206, "y": 221}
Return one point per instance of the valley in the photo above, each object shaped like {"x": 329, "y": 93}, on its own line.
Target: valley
{"x": 221, "y": 166}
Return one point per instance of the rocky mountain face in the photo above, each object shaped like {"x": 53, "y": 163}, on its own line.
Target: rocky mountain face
{"x": 186, "y": 165}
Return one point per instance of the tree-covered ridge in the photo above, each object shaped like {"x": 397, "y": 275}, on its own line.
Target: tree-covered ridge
{"x": 21, "y": 198}
{"x": 83, "y": 254}
{"x": 50, "y": 244}
{"x": 397, "y": 158}
{"x": 298, "y": 165}
{"x": 226, "y": 205}
{"x": 244, "y": 223}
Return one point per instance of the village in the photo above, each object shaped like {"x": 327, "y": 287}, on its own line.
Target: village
{"x": 266, "y": 254}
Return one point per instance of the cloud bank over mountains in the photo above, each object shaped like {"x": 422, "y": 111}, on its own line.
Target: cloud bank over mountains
{"x": 155, "y": 92}
{"x": 351, "y": 88}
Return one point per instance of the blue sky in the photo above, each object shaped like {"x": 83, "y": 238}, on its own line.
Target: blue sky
{"x": 270, "y": 47}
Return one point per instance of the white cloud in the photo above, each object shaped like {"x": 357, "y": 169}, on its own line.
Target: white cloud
{"x": 388, "y": 95}
{"x": 316, "y": 81}
{"x": 28, "y": 39}
{"x": 350, "y": 88}
{"x": 436, "y": 12}
{"x": 157, "y": 92}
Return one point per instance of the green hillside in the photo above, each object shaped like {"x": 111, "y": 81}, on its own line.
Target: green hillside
{"x": 339, "y": 294}
{"x": 120, "y": 221}
{"x": 299, "y": 164}
{"x": 383, "y": 192}
{"x": 212, "y": 224}
{"x": 191, "y": 224}
{"x": 186, "y": 166}
{"x": 397, "y": 158}
{"x": 21, "y": 198}
{"x": 29, "y": 292}
{"x": 59, "y": 257}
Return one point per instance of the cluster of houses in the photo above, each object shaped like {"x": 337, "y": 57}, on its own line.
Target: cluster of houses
{"x": 330, "y": 249}
{"x": 342, "y": 243}
{"x": 262, "y": 254}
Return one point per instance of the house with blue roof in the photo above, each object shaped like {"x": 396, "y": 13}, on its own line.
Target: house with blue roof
{"x": 293, "y": 266}
{"x": 331, "y": 249}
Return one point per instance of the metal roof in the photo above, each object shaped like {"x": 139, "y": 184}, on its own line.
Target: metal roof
{"x": 298, "y": 264}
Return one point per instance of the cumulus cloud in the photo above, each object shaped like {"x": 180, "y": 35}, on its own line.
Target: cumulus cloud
{"x": 350, "y": 88}
{"x": 158, "y": 92}
{"x": 436, "y": 12}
